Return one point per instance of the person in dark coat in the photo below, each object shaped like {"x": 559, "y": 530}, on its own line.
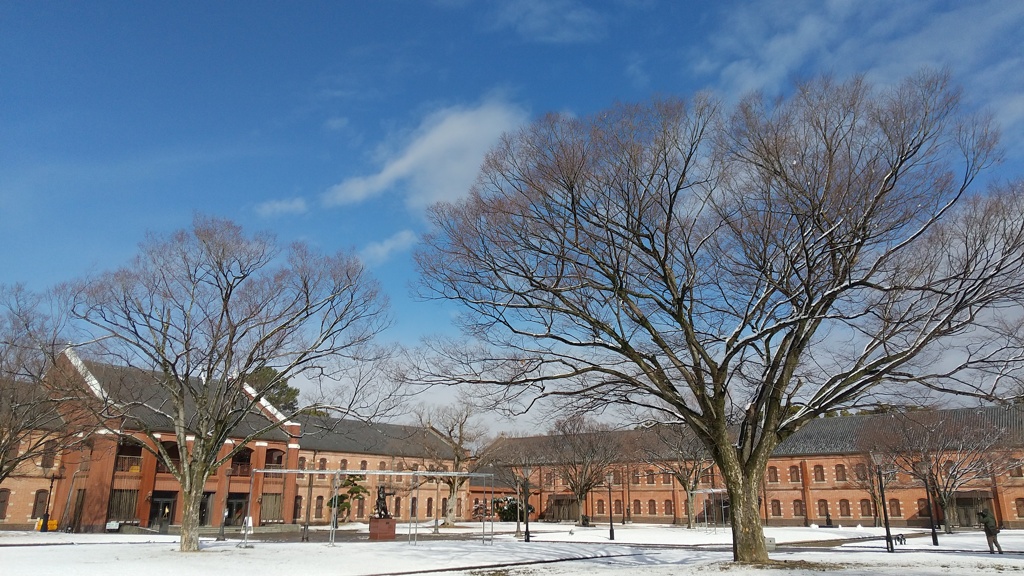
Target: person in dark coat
{"x": 988, "y": 522}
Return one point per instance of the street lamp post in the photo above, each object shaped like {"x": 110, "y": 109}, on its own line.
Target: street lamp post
{"x": 45, "y": 527}
{"x": 931, "y": 509}
{"x": 526, "y": 505}
{"x": 611, "y": 523}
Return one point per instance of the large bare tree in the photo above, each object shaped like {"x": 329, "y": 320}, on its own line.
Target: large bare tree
{"x": 35, "y": 424}
{"x": 202, "y": 310}
{"x": 462, "y": 436}
{"x": 676, "y": 450}
{"x": 945, "y": 451}
{"x": 582, "y": 451}
{"x": 740, "y": 269}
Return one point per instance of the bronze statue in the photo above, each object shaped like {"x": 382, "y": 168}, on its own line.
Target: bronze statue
{"x": 380, "y": 509}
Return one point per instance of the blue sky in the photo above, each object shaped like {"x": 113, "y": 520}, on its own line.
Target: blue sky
{"x": 337, "y": 123}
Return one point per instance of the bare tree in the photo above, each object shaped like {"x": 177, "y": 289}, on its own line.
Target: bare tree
{"x": 462, "y": 434}
{"x": 198, "y": 312}
{"x": 508, "y": 458}
{"x": 35, "y": 421}
{"x": 582, "y": 451}
{"x": 676, "y": 450}
{"x": 944, "y": 450}
{"x": 749, "y": 270}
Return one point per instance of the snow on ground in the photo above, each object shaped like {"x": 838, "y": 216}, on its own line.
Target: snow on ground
{"x": 556, "y": 549}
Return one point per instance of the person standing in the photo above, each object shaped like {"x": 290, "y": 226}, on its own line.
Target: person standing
{"x": 988, "y": 522}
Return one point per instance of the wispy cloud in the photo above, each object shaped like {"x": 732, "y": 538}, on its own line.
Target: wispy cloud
{"x": 439, "y": 160}
{"x": 552, "y": 21}
{"x": 273, "y": 208}
{"x": 379, "y": 252}
{"x": 764, "y": 45}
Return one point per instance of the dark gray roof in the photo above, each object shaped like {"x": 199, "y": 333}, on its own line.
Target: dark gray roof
{"x": 855, "y": 434}
{"x": 145, "y": 404}
{"x": 344, "y": 435}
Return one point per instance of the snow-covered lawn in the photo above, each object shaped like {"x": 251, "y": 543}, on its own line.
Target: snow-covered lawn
{"x": 556, "y": 549}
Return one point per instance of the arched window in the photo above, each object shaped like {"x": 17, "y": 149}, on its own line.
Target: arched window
{"x": 430, "y": 507}
{"x": 894, "y": 508}
{"x": 922, "y": 508}
{"x": 794, "y": 474}
{"x": 600, "y": 506}
{"x": 400, "y": 468}
{"x": 444, "y": 506}
{"x": 274, "y": 460}
{"x": 414, "y": 508}
{"x": 5, "y": 497}
{"x": 360, "y": 507}
{"x": 318, "y": 511}
{"x": 865, "y": 508}
{"x": 650, "y": 476}
{"x": 618, "y": 506}
{"x": 458, "y": 507}
{"x": 323, "y": 466}
{"x": 1019, "y": 502}
{"x": 840, "y": 473}
{"x": 636, "y": 476}
{"x": 398, "y": 507}
{"x": 822, "y": 508}
{"x": 798, "y": 508}
{"x": 382, "y": 466}
{"x": 39, "y": 504}
{"x": 302, "y": 465}
{"x": 670, "y": 508}
{"x": 171, "y": 448}
{"x": 776, "y": 508}
{"x": 819, "y": 473}
{"x": 637, "y": 508}
{"x": 616, "y": 477}
{"x": 844, "y": 508}
{"x": 773, "y": 474}
{"x": 362, "y": 464}
{"x": 49, "y": 453}
{"x": 666, "y": 477}
{"x": 1017, "y": 471}
{"x": 652, "y": 507}
{"x": 297, "y": 509}
{"x": 861, "y": 471}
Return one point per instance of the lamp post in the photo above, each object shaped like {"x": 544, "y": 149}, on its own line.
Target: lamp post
{"x": 611, "y": 523}
{"x": 526, "y": 505}
{"x": 931, "y": 509}
{"x": 224, "y": 515}
{"x": 45, "y": 527}
{"x": 885, "y": 509}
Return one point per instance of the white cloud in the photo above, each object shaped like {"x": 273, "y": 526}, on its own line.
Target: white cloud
{"x": 439, "y": 160}
{"x": 273, "y": 208}
{"x": 554, "y": 21}
{"x": 764, "y": 45}
{"x": 378, "y": 252}
{"x": 336, "y": 123}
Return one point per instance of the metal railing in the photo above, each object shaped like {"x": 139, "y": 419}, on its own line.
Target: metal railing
{"x": 128, "y": 464}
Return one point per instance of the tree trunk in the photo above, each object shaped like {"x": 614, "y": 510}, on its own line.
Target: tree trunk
{"x": 190, "y": 517}
{"x": 747, "y": 532}
{"x": 690, "y": 516}
{"x": 948, "y": 514}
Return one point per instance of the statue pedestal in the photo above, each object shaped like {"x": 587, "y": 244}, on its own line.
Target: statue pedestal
{"x": 382, "y": 528}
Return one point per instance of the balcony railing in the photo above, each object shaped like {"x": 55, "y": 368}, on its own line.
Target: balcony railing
{"x": 274, "y": 467}
{"x": 241, "y": 469}
{"x": 162, "y": 468}
{"x": 128, "y": 464}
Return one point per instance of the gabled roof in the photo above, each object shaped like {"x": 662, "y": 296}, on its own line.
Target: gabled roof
{"x": 145, "y": 404}
{"x": 328, "y": 434}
